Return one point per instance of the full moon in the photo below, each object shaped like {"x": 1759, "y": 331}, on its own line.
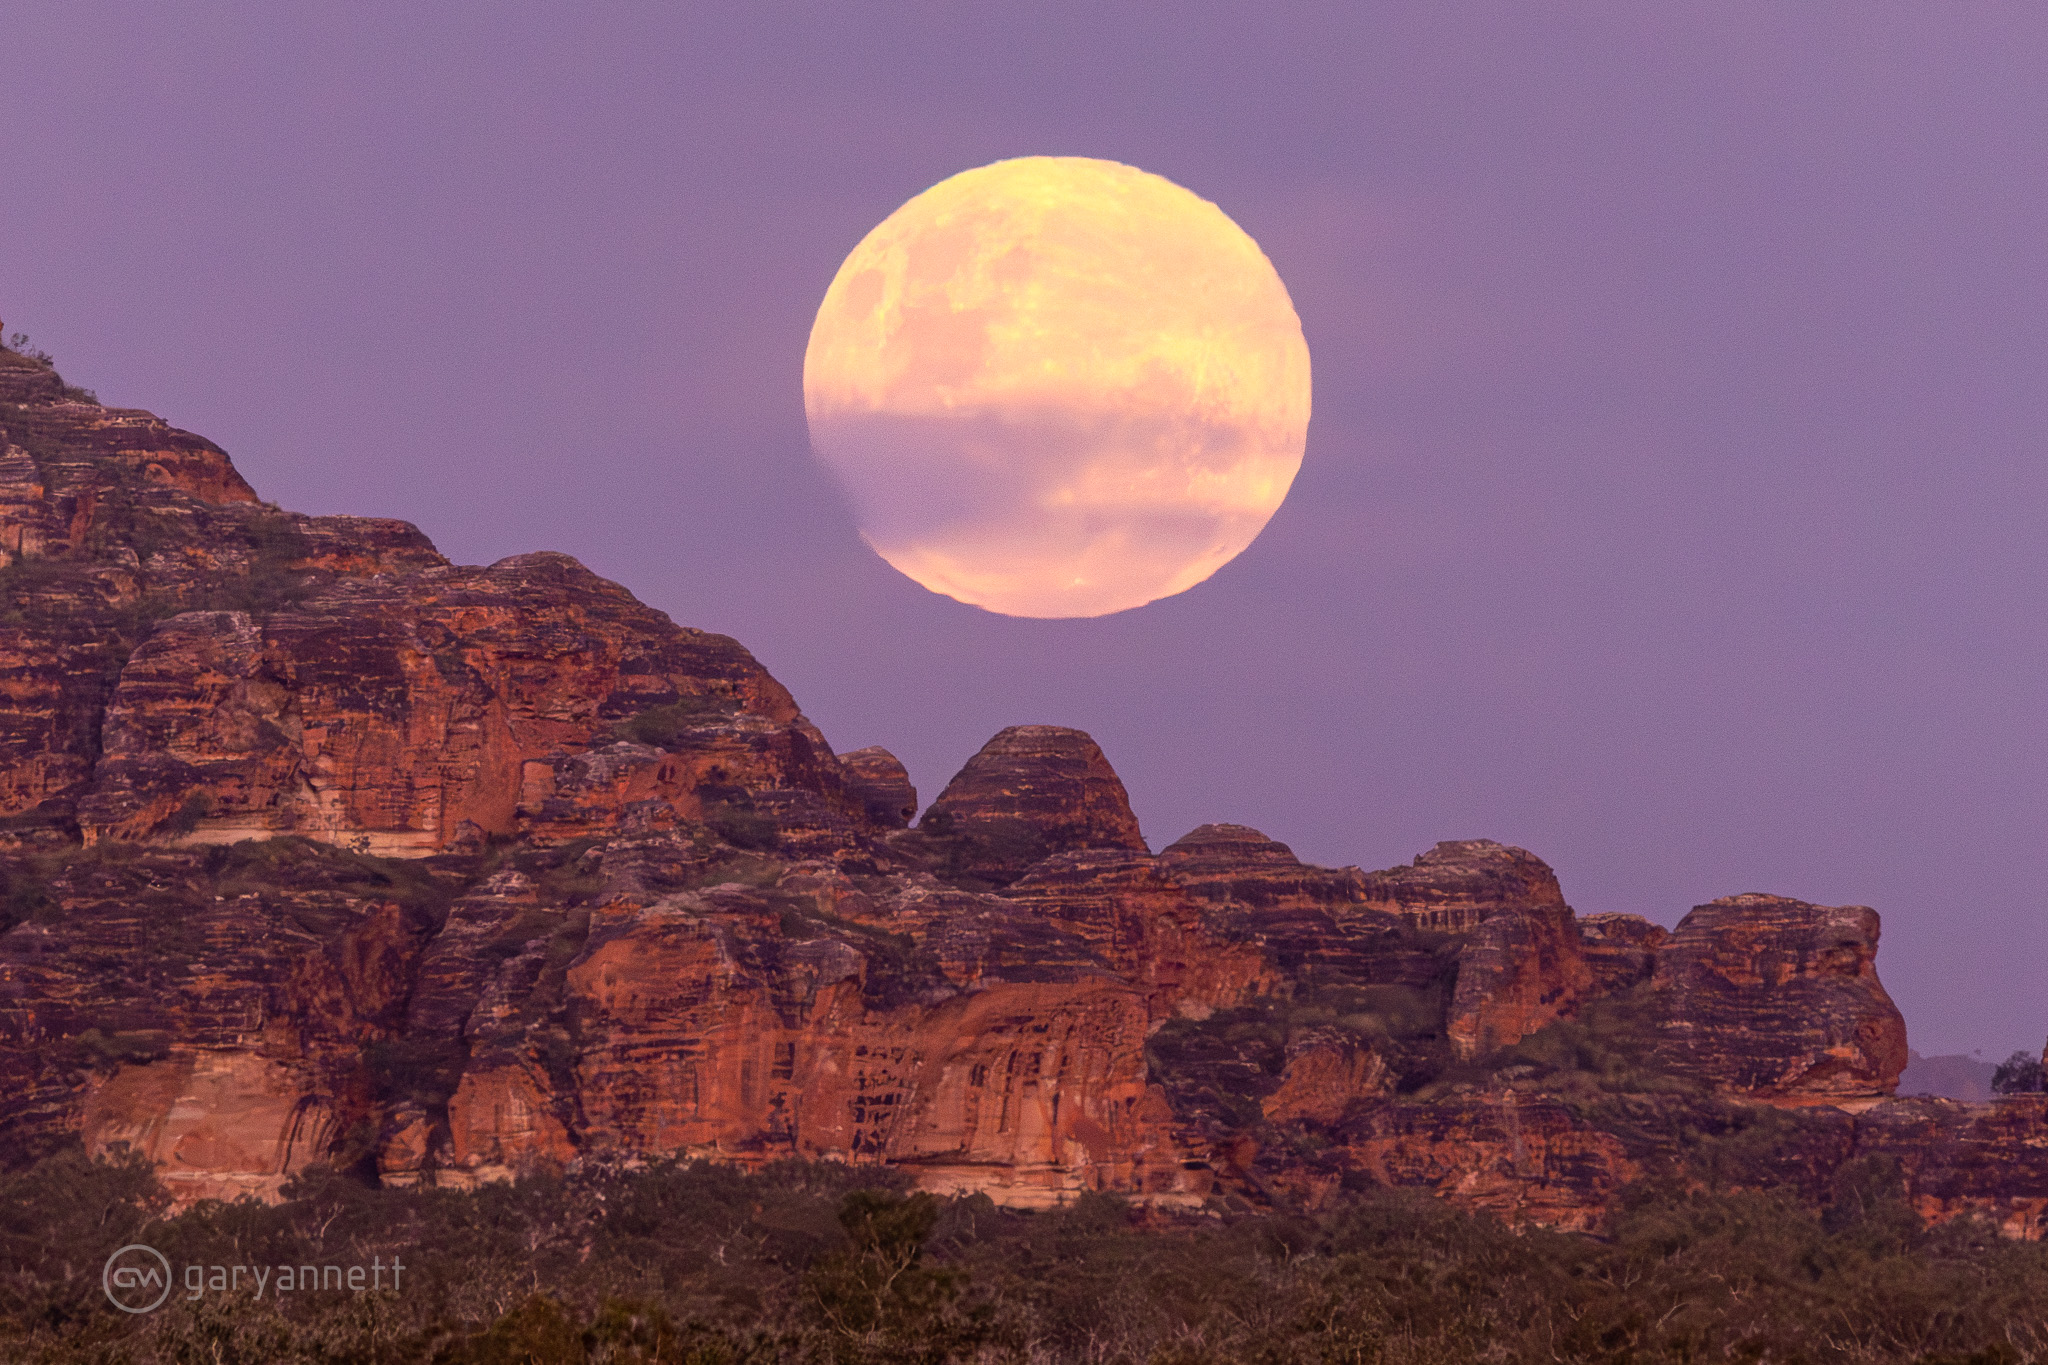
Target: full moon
{"x": 1057, "y": 386}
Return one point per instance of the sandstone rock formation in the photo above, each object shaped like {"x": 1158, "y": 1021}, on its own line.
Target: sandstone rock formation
{"x": 1461, "y": 882}
{"x": 315, "y": 847}
{"x": 1133, "y": 916}
{"x": 209, "y": 1010}
{"x": 1237, "y": 865}
{"x": 1326, "y": 1074}
{"x": 1032, "y": 791}
{"x": 1963, "y": 1160}
{"x": 878, "y": 780}
{"x": 391, "y": 713}
{"x": 1312, "y": 922}
{"x": 1780, "y": 999}
{"x": 1519, "y": 970}
{"x": 1522, "y": 1158}
{"x": 1620, "y": 950}
{"x": 1522, "y": 963}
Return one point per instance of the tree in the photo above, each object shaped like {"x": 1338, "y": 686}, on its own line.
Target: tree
{"x": 22, "y": 346}
{"x": 2019, "y": 1074}
{"x": 879, "y": 1297}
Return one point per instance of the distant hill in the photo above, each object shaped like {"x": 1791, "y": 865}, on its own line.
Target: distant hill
{"x": 1951, "y": 1078}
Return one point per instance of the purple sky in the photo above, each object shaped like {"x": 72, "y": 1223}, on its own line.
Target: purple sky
{"x": 1673, "y": 499}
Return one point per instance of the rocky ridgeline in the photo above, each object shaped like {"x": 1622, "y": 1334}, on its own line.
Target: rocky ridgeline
{"x": 319, "y": 848}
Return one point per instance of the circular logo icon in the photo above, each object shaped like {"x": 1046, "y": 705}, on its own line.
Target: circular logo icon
{"x": 137, "y": 1278}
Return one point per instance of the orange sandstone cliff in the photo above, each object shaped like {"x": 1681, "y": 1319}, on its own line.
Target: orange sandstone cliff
{"x": 318, "y": 848}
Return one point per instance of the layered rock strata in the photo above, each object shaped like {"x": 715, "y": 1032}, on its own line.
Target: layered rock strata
{"x": 878, "y": 780}
{"x": 1460, "y": 883}
{"x": 1032, "y": 791}
{"x": 1777, "y": 998}
{"x": 315, "y": 847}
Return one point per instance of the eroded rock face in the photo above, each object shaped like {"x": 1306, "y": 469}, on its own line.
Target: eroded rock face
{"x": 706, "y": 1030}
{"x": 1236, "y": 863}
{"x": 211, "y": 1014}
{"x": 1777, "y": 998}
{"x": 1620, "y": 950}
{"x": 879, "y": 782}
{"x": 977, "y": 938}
{"x": 112, "y": 520}
{"x": 404, "y": 715}
{"x": 1521, "y": 964}
{"x": 1461, "y": 882}
{"x": 1043, "y": 1088}
{"x": 1525, "y": 1159}
{"x": 1327, "y": 1073}
{"x": 1132, "y": 913}
{"x": 1312, "y": 922}
{"x": 1522, "y": 968}
{"x": 72, "y": 468}
{"x": 1966, "y": 1160}
{"x": 218, "y": 1124}
{"x": 316, "y": 847}
{"x": 1032, "y": 791}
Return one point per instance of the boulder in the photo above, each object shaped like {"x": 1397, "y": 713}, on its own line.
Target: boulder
{"x": 880, "y": 785}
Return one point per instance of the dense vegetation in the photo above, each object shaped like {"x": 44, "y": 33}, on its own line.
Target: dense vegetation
{"x": 695, "y": 1263}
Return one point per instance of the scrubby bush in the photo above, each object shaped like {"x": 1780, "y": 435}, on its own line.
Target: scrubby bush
{"x": 109, "y": 1050}
{"x": 1231, "y": 1060}
{"x": 983, "y": 855}
{"x": 743, "y": 827}
{"x": 2019, "y": 1074}
{"x": 1609, "y": 1046}
{"x": 195, "y": 808}
{"x": 20, "y": 344}
{"x": 669, "y": 726}
{"x": 679, "y": 1261}
{"x": 254, "y": 866}
{"x": 23, "y": 896}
